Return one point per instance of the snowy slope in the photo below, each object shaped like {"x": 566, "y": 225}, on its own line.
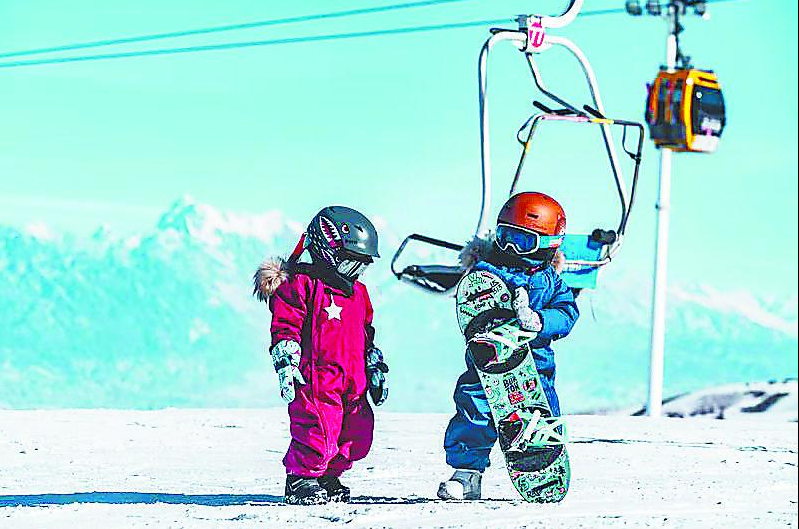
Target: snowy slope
{"x": 165, "y": 318}
{"x": 221, "y": 468}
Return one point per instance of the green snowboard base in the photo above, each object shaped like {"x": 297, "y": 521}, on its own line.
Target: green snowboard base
{"x": 531, "y": 439}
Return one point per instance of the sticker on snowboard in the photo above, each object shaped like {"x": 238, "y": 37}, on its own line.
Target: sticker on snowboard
{"x": 531, "y": 439}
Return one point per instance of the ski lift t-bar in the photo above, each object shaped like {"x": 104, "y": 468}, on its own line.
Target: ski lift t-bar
{"x": 531, "y": 38}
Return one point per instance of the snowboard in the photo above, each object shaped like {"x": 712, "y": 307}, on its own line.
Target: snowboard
{"x": 531, "y": 439}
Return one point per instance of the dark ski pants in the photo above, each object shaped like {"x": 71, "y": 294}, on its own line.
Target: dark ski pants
{"x": 471, "y": 433}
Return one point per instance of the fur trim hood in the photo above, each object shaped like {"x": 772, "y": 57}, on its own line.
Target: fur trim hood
{"x": 269, "y": 276}
{"x": 275, "y": 271}
{"x": 476, "y": 250}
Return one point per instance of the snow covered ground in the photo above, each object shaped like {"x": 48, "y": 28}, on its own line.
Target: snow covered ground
{"x": 221, "y": 468}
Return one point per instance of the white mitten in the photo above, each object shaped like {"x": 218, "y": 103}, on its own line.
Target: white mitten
{"x": 286, "y": 359}
{"x": 528, "y": 318}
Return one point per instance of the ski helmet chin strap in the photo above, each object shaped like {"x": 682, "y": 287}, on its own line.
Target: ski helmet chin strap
{"x": 535, "y": 265}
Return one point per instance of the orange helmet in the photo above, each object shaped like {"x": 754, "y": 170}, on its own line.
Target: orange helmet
{"x": 534, "y": 211}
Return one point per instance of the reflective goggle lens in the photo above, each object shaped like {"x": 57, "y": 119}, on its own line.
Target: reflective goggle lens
{"x": 524, "y": 242}
{"x": 521, "y": 242}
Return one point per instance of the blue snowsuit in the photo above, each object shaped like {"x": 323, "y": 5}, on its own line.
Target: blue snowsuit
{"x": 471, "y": 432}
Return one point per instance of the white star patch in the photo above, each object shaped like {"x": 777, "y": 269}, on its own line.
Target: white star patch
{"x": 333, "y": 311}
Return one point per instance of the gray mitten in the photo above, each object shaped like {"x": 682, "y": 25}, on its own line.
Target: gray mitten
{"x": 376, "y": 370}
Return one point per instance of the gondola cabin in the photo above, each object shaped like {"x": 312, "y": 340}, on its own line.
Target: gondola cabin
{"x": 685, "y": 111}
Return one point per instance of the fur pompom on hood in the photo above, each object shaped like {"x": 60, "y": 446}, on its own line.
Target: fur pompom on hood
{"x": 270, "y": 275}
{"x": 476, "y": 250}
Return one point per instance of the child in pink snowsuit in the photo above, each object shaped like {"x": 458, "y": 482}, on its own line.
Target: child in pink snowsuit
{"x": 322, "y": 348}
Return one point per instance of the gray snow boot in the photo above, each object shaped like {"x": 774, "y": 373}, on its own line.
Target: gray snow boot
{"x": 304, "y": 491}
{"x": 336, "y": 491}
{"x": 463, "y": 485}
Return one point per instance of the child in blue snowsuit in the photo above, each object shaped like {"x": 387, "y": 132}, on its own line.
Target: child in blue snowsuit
{"x": 529, "y": 230}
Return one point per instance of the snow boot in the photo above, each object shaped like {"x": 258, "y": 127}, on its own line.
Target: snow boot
{"x": 463, "y": 485}
{"x": 335, "y": 490}
{"x": 304, "y": 491}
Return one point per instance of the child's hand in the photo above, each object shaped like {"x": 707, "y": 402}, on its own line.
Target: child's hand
{"x": 376, "y": 370}
{"x": 286, "y": 359}
{"x": 528, "y": 318}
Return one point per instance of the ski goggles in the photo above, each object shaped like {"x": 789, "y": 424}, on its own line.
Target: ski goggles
{"x": 353, "y": 265}
{"x": 523, "y": 241}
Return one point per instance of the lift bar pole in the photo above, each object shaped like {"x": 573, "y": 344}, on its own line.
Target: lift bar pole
{"x": 658, "y": 338}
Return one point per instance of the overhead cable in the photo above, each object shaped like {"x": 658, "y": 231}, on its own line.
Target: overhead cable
{"x": 228, "y": 27}
{"x": 294, "y": 40}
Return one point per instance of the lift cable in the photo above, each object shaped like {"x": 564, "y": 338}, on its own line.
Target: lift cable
{"x": 229, "y": 27}
{"x": 290, "y": 40}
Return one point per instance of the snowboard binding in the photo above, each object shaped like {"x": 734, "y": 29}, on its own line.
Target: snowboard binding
{"x": 495, "y": 351}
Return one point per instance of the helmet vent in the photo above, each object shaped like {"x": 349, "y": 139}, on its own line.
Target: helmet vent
{"x": 532, "y": 215}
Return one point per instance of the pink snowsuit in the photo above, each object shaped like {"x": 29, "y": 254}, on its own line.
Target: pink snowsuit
{"x": 331, "y": 420}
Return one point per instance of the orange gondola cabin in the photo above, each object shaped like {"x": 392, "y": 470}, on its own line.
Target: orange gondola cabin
{"x": 685, "y": 110}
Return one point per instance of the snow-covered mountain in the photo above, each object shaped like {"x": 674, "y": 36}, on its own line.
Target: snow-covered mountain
{"x": 166, "y": 318}
{"x": 777, "y": 400}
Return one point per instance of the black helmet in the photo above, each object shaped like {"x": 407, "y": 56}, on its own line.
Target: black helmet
{"x": 342, "y": 238}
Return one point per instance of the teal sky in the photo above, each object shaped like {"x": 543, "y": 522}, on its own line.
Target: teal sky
{"x": 389, "y": 125}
